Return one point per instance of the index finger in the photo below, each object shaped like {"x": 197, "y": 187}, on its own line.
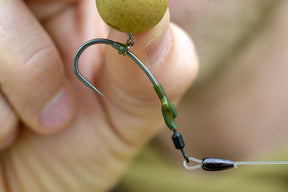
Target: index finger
{"x": 32, "y": 75}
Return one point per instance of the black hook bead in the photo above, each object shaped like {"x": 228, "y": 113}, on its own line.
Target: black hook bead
{"x": 178, "y": 140}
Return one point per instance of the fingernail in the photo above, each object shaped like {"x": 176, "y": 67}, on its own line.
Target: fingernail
{"x": 58, "y": 111}
{"x": 160, "y": 49}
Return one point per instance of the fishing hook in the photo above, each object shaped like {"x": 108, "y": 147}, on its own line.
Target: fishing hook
{"x": 168, "y": 109}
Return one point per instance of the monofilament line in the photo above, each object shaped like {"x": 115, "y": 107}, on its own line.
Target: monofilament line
{"x": 260, "y": 163}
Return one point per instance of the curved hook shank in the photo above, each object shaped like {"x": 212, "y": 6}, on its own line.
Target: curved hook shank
{"x": 77, "y": 56}
{"x": 143, "y": 67}
{"x": 122, "y": 49}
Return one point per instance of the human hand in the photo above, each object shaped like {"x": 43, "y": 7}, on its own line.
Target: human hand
{"x": 40, "y": 95}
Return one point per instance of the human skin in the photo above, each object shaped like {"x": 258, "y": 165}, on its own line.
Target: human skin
{"x": 238, "y": 106}
{"x": 55, "y": 133}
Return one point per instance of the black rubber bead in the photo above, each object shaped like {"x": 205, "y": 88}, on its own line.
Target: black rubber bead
{"x": 178, "y": 141}
{"x": 216, "y": 164}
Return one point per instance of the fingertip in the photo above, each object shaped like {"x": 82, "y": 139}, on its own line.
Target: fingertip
{"x": 185, "y": 46}
{"x": 180, "y": 66}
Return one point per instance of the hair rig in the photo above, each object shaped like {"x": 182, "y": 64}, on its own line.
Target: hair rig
{"x": 137, "y": 23}
{"x": 168, "y": 109}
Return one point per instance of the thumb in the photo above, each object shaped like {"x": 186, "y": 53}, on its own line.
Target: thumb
{"x": 131, "y": 103}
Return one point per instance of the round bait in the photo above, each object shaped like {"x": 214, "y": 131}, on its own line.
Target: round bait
{"x": 132, "y": 16}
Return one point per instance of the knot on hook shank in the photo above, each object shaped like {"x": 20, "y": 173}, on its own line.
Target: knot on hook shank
{"x": 122, "y": 49}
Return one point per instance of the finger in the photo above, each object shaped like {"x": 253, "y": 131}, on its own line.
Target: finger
{"x": 32, "y": 75}
{"x": 8, "y": 123}
{"x": 169, "y": 54}
{"x": 44, "y": 10}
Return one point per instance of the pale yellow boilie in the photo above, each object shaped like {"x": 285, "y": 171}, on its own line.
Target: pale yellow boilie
{"x": 132, "y": 16}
